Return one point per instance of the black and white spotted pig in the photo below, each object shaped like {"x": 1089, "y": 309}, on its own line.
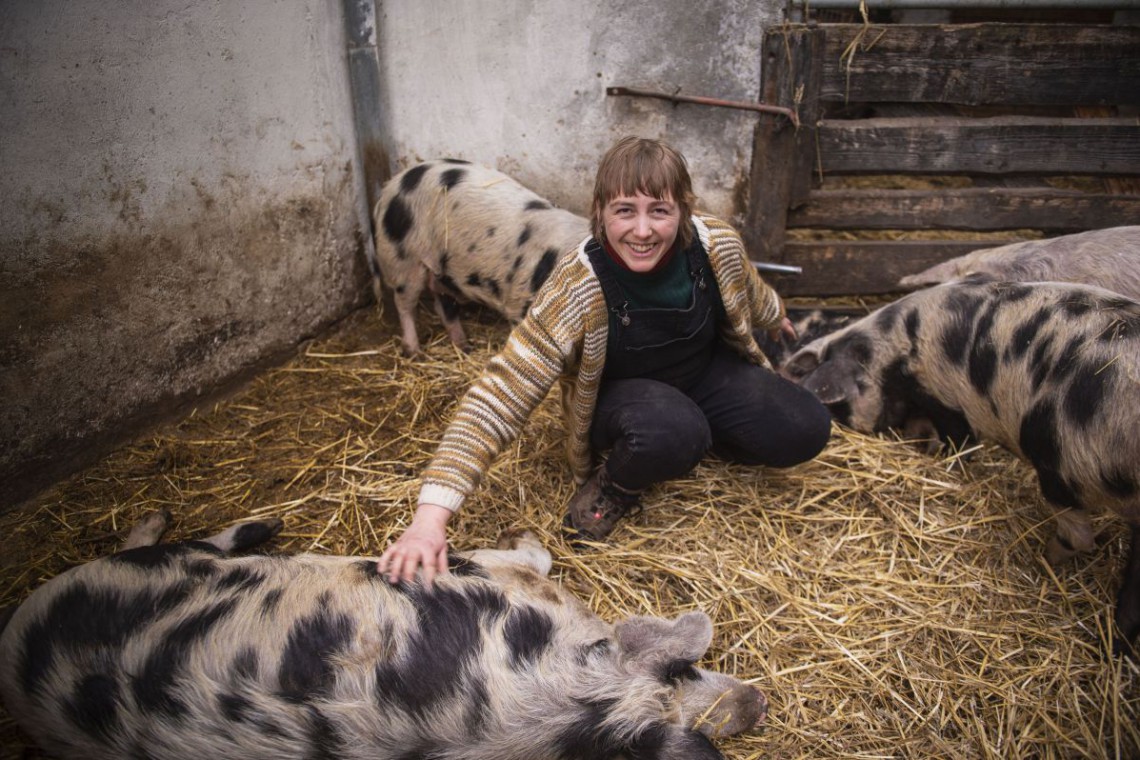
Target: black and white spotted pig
{"x": 469, "y": 233}
{"x": 178, "y": 651}
{"x": 1108, "y": 258}
{"x": 1050, "y": 371}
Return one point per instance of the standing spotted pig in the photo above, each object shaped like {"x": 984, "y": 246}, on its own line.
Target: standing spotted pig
{"x": 468, "y": 233}
{"x": 1049, "y": 371}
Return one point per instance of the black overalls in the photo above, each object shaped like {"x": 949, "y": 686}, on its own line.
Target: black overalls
{"x": 671, "y": 389}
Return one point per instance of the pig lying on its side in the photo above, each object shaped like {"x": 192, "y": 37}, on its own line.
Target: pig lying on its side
{"x": 1107, "y": 258}
{"x": 468, "y": 233}
{"x": 1050, "y": 371}
{"x": 178, "y": 651}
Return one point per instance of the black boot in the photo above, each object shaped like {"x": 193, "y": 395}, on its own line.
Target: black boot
{"x": 594, "y": 511}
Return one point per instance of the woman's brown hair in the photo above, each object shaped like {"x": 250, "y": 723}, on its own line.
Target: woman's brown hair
{"x": 652, "y": 167}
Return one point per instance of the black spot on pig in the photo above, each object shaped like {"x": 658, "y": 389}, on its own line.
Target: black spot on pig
{"x": 451, "y": 178}
{"x": 240, "y": 579}
{"x": 528, "y": 633}
{"x": 411, "y": 179}
{"x": 885, "y": 319}
{"x": 493, "y": 286}
{"x": 273, "y": 599}
{"x": 982, "y": 366}
{"x": 234, "y": 707}
{"x": 1087, "y": 390}
{"x": 459, "y": 161}
{"x": 397, "y": 222}
{"x": 161, "y": 555}
{"x": 587, "y": 735}
{"x": 474, "y": 280}
{"x": 1040, "y": 362}
{"x": 239, "y": 709}
{"x": 93, "y": 707}
{"x": 1038, "y": 440}
{"x": 478, "y": 706}
{"x": 464, "y": 567}
{"x": 524, "y": 236}
{"x": 245, "y": 663}
{"x": 678, "y": 670}
{"x": 324, "y": 741}
{"x": 962, "y": 308}
{"x": 448, "y": 638}
{"x": 306, "y": 670}
{"x": 537, "y": 205}
{"x": 543, "y": 269}
{"x": 1026, "y": 333}
{"x": 912, "y": 324}
{"x": 96, "y": 617}
{"x": 1075, "y": 306}
{"x": 153, "y": 687}
{"x": 1067, "y": 362}
{"x": 491, "y": 232}
{"x": 201, "y": 569}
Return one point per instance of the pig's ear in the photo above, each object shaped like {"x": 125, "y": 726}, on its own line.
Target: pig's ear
{"x": 799, "y": 364}
{"x": 835, "y": 380}
{"x": 653, "y": 639}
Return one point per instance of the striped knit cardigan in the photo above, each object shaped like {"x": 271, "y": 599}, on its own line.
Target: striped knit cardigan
{"x": 563, "y": 338}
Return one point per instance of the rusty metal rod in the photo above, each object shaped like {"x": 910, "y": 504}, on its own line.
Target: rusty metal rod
{"x": 763, "y": 108}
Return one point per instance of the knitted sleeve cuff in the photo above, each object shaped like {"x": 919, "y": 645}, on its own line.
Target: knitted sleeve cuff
{"x": 441, "y": 496}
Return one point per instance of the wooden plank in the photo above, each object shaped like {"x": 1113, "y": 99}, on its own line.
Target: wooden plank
{"x": 990, "y": 208}
{"x": 1000, "y": 145}
{"x": 834, "y": 268}
{"x": 778, "y": 147}
{"x": 978, "y": 64}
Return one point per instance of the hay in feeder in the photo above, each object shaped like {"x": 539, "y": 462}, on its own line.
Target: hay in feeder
{"x": 889, "y": 603}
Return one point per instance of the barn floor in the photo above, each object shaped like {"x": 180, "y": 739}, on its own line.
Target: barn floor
{"x": 890, "y": 604}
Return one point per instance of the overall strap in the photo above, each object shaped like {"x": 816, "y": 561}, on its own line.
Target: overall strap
{"x": 615, "y": 298}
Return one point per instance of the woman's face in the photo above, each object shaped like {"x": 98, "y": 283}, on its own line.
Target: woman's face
{"x": 641, "y": 229}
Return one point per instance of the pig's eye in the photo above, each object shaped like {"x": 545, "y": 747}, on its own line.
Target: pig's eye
{"x": 679, "y": 670}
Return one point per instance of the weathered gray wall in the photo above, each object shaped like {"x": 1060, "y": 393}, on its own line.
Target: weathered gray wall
{"x": 520, "y": 85}
{"x": 178, "y": 204}
{"x": 181, "y": 198}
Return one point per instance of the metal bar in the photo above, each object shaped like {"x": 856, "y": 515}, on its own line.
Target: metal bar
{"x": 761, "y": 107}
{"x": 765, "y": 266}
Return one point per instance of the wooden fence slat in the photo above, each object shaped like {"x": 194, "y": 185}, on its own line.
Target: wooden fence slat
{"x": 978, "y": 64}
{"x": 781, "y": 152}
{"x": 999, "y": 145}
{"x": 975, "y": 209}
{"x": 833, "y": 268}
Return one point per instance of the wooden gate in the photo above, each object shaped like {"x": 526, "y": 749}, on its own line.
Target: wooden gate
{"x": 966, "y": 129}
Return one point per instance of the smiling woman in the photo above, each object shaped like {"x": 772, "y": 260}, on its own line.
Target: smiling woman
{"x": 648, "y": 326}
{"x": 641, "y": 230}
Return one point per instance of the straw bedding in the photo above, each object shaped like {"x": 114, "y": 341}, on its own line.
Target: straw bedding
{"x": 891, "y": 604}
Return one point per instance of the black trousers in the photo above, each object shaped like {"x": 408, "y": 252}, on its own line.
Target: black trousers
{"x": 743, "y": 413}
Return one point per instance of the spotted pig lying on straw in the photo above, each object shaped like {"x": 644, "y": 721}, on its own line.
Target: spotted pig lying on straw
{"x": 178, "y": 651}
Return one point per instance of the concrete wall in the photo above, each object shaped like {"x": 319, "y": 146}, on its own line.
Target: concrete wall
{"x": 520, "y": 85}
{"x": 178, "y": 203}
{"x": 181, "y": 198}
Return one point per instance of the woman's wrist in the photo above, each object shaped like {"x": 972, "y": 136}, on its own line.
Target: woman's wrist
{"x": 432, "y": 515}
